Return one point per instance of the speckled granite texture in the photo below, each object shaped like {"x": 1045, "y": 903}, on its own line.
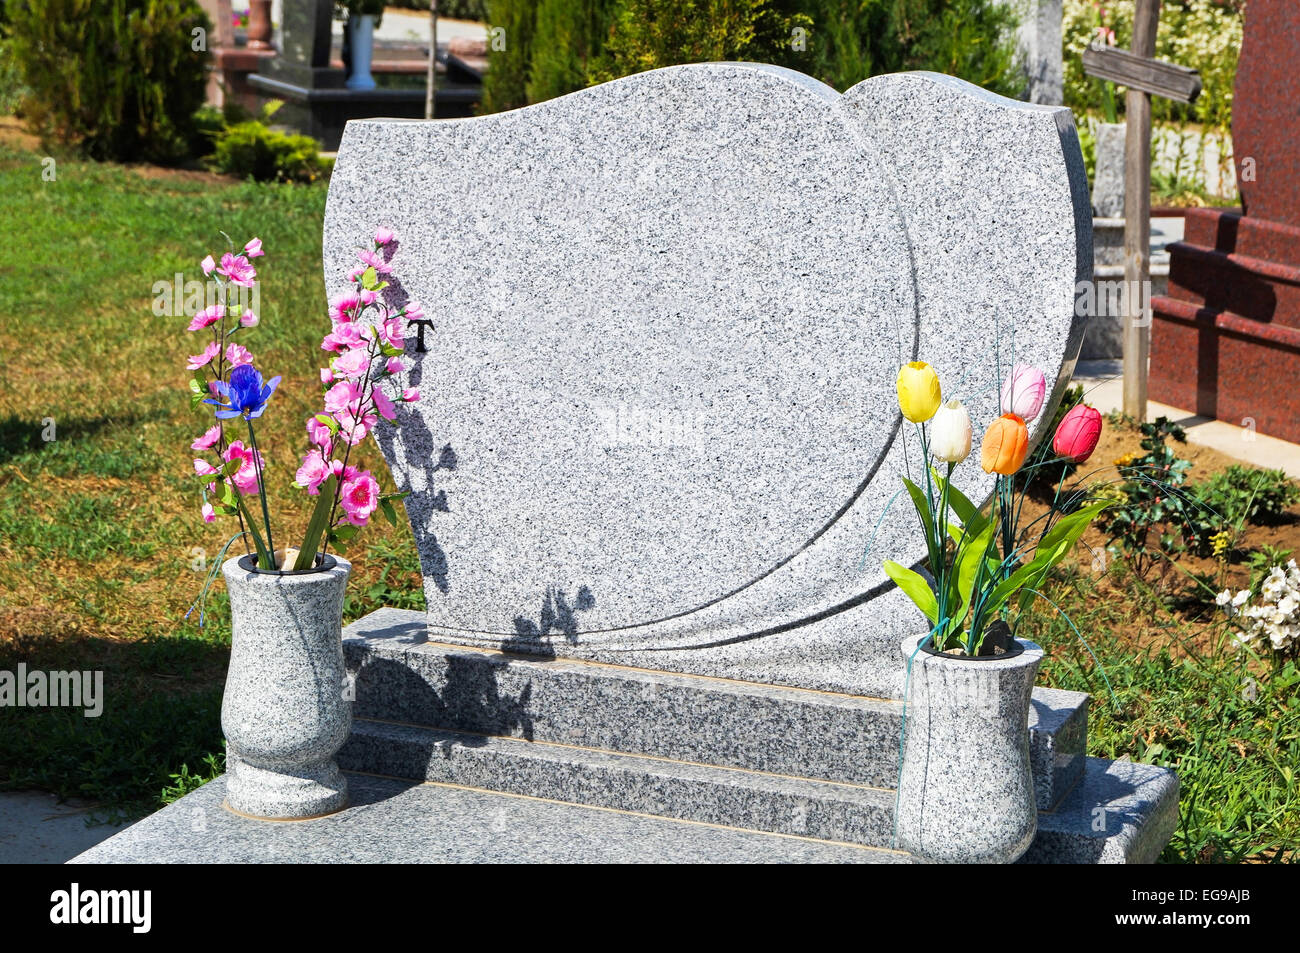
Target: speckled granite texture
{"x": 657, "y": 424}
{"x": 397, "y": 822}
{"x": 283, "y": 712}
{"x": 965, "y": 791}
{"x": 400, "y": 676}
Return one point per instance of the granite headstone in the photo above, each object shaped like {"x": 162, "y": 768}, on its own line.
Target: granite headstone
{"x": 657, "y": 422}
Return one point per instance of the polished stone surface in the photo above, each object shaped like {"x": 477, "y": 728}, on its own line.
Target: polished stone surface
{"x": 657, "y": 424}
{"x": 398, "y": 822}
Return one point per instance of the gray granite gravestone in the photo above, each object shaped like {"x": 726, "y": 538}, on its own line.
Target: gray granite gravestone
{"x": 657, "y": 424}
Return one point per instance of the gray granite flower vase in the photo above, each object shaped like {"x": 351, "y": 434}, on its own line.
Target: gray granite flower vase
{"x": 966, "y": 794}
{"x": 284, "y": 712}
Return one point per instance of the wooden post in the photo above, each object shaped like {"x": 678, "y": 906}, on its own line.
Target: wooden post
{"x": 432, "y": 79}
{"x": 1137, "y": 221}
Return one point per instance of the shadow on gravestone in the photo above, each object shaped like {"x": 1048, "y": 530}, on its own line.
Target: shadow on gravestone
{"x": 668, "y": 314}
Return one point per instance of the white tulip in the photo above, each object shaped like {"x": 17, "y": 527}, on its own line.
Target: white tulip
{"x": 950, "y": 432}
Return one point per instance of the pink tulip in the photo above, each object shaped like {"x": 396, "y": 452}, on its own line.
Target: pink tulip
{"x": 1023, "y": 392}
{"x": 1076, "y": 438}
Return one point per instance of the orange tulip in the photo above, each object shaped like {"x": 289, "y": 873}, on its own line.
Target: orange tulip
{"x": 1005, "y": 444}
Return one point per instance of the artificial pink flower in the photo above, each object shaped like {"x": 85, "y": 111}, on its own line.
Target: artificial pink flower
{"x": 354, "y": 428}
{"x": 237, "y": 354}
{"x": 326, "y": 376}
{"x": 383, "y": 404}
{"x": 356, "y": 273}
{"x": 212, "y": 388}
{"x": 344, "y": 308}
{"x": 413, "y": 312}
{"x": 395, "y": 365}
{"x": 313, "y": 472}
{"x": 1023, "y": 392}
{"x": 343, "y": 336}
{"x": 208, "y": 440}
{"x": 208, "y": 316}
{"x": 318, "y": 433}
{"x": 367, "y": 296}
{"x": 209, "y": 514}
{"x": 353, "y": 363}
{"x": 248, "y": 319}
{"x": 375, "y": 261}
{"x": 254, "y": 248}
{"x": 410, "y": 394}
{"x": 203, "y": 468}
{"x": 1076, "y": 437}
{"x": 207, "y": 265}
{"x": 245, "y": 478}
{"x": 238, "y": 269}
{"x": 342, "y": 396}
{"x": 392, "y": 333}
{"x": 204, "y": 358}
{"x": 383, "y": 236}
{"x": 359, "y": 498}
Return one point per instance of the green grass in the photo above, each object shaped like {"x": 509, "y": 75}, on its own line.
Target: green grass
{"x": 1185, "y": 703}
{"x": 100, "y": 537}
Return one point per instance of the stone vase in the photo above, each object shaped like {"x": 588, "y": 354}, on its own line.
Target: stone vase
{"x": 259, "y": 24}
{"x": 361, "y": 36}
{"x": 966, "y": 793}
{"x": 284, "y": 712}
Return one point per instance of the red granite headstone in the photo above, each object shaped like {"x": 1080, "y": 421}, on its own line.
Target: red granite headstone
{"x": 1225, "y": 340}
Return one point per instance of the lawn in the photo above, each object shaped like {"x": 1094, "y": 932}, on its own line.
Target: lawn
{"x": 102, "y": 549}
{"x": 101, "y": 543}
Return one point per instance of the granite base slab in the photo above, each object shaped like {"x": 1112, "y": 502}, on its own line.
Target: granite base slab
{"x": 393, "y": 821}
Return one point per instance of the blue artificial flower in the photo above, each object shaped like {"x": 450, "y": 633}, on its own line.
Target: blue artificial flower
{"x": 245, "y": 396}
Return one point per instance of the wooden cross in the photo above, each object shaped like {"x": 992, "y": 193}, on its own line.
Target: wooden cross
{"x": 1144, "y": 76}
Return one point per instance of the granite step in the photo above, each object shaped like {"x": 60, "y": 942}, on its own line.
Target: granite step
{"x": 680, "y": 790}
{"x": 400, "y": 676}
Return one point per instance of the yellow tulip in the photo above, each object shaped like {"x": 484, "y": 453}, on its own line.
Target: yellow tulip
{"x": 918, "y": 391}
{"x": 1005, "y": 444}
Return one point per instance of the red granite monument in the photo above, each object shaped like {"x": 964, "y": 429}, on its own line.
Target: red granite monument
{"x": 1225, "y": 340}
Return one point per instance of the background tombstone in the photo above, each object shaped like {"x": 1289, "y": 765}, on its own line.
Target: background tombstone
{"x": 1040, "y": 39}
{"x": 658, "y": 424}
{"x": 1232, "y": 315}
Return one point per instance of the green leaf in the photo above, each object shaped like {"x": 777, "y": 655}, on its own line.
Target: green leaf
{"x": 917, "y": 589}
{"x": 320, "y": 515}
{"x": 922, "y": 505}
{"x": 329, "y": 421}
{"x": 369, "y": 279}
{"x": 390, "y": 514}
{"x": 264, "y": 557}
{"x": 390, "y": 351}
{"x": 968, "y": 565}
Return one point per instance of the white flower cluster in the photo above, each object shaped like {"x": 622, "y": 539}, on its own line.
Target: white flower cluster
{"x": 1276, "y": 614}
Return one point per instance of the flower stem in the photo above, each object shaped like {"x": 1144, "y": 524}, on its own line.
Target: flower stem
{"x": 261, "y": 491}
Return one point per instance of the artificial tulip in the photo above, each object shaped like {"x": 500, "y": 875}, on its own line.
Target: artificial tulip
{"x": 1024, "y": 391}
{"x": 1005, "y": 444}
{"x": 1078, "y": 434}
{"x": 918, "y": 391}
{"x": 950, "y": 433}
